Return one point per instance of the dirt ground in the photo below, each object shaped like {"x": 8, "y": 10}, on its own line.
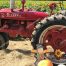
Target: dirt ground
{"x": 16, "y": 54}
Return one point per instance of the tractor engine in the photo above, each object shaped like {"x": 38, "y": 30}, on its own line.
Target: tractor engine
{"x": 12, "y": 20}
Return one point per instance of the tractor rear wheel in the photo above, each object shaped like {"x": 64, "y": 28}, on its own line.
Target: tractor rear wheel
{"x": 3, "y": 43}
{"x": 51, "y": 31}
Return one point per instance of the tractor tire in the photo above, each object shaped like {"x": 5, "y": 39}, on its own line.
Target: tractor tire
{"x": 45, "y": 23}
{"x": 63, "y": 12}
{"x": 4, "y": 41}
{"x": 55, "y": 23}
{"x": 6, "y": 38}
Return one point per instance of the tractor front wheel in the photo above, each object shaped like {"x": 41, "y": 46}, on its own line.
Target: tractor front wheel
{"x": 3, "y": 43}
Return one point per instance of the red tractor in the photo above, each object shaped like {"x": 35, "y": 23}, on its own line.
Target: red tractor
{"x": 40, "y": 27}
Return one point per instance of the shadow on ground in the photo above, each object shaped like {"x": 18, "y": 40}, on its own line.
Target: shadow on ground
{"x": 26, "y": 52}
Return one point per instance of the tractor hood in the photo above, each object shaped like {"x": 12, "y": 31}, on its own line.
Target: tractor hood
{"x": 19, "y": 15}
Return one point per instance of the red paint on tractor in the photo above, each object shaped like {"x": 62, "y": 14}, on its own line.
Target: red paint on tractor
{"x": 23, "y": 21}
{"x": 28, "y": 15}
{"x": 56, "y": 38}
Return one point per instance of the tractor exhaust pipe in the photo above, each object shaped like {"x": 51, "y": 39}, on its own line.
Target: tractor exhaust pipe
{"x": 12, "y": 4}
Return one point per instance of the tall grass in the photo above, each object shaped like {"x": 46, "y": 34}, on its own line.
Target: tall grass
{"x": 37, "y": 5}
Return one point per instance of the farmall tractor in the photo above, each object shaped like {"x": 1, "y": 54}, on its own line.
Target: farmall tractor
{"x": 47, "y": 32}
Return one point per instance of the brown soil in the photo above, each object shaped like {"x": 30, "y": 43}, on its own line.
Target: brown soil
{"x": 17, "y": 55}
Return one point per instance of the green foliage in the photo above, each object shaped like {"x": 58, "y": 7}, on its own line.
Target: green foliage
{"x": 35, "y": 5}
